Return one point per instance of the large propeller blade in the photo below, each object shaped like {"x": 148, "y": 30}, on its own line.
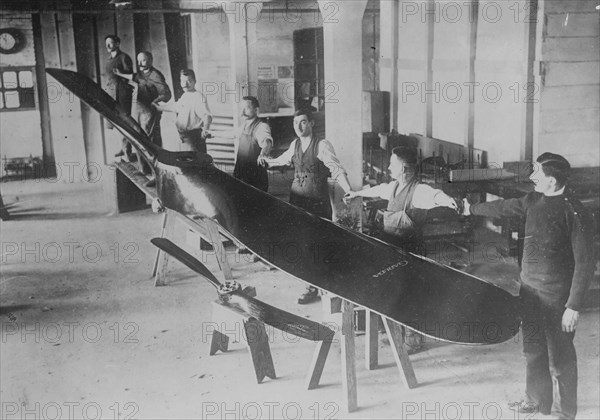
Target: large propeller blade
{"x": 270, "y": 315}
{"x": 186, "y": 259}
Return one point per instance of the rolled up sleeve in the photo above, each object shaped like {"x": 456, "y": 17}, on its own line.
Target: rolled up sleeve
{"x": 330, "y": 160}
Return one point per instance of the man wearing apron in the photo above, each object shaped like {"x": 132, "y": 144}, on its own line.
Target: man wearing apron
{"x": 254, "y": 143}
{"x": 152, "y": 88}
{"x": 314, "y": 162}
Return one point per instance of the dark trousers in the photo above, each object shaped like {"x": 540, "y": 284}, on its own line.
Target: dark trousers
{"x": 551, "y": 375}
{"x": 149, "y": 120}
{"x": 193, "y": 141}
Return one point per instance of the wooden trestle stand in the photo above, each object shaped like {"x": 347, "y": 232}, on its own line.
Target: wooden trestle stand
{"x": 254, "y": 334}
{"x": 208, "y": 231}
{"x": 333, "y": 305}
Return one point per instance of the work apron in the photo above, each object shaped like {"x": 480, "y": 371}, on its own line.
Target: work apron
{"x": 246, "y": 169}
{"x": 410, "y": 239}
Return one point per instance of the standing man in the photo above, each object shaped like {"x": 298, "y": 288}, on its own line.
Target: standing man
{"x": 151, "y": 89}
{"x": 314, "y": 162}
{"x": 254, "y": 145}
{"x": 117, "y": 87}
{"x": 555, "y": 275}
{"x": 193, "y": 116}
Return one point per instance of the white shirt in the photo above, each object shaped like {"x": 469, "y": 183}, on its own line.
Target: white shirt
{"x": 262, "y": 132}
{"x": 326, "y": 154}
{"x": 191, "y": 109}
{"x": 424, "y": 197}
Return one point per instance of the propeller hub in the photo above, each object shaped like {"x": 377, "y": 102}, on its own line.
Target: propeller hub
{"x": 227, "y": 289}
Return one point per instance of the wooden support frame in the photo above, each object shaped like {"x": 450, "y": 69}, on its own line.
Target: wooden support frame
{"x": 333, "y": 305}
{"x": 206, "y": 228}
{"x": 255, "y": 336}
{"x": 128, "y": 180}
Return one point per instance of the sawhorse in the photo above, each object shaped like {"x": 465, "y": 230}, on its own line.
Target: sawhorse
{"x": 206, "y": 228}
{"x": 256, "y": 338}
{"x": 333, "y": 305}
{"x": 254, "y": 334}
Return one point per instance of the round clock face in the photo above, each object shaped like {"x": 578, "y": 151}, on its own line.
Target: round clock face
{"x": 7, "y": 41}
{"x": 10, "y": 40}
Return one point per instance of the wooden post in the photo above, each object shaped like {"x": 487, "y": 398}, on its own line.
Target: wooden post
{"x": 218, "y": 247}
{"x": 162, "y": 235}
{"x": 163, "y": 260}
{"x": 371, "y": 340}
{"x": 318, "y": 362}
{"x": 348, "y": 357}
{"x": 394, "y": 332}
{"x": 64, "y": 108}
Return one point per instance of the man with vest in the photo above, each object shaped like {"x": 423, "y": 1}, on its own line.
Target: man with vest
{"x": 314, "y": 162}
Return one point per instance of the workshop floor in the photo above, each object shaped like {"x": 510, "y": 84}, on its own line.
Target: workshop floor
{"x": 86, "y": 334}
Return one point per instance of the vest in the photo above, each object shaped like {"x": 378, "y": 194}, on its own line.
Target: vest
{"x": 310, "y": 173}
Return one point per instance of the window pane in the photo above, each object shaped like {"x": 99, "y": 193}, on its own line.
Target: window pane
{"x": 12, "y": 98}
{"x": 1, "y": 100}
{"x": 10, "y": 80}
{"x": 27, "y": 98}
{"x": 26, "y": 79}
{"x": 0, "y": 82}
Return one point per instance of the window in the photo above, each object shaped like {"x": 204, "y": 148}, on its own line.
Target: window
{"x": 17, "y": 89}
{"x": 309, "y": 68}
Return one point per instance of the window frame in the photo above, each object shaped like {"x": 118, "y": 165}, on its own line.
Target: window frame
{"x": 18, "y": 89}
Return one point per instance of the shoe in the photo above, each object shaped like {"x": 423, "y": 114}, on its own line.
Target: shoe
{"x": 121, "y": 153}
{"x": 151, "y": 183}
{"x": 310, "y": 295}
{"x": 527, "y": 407}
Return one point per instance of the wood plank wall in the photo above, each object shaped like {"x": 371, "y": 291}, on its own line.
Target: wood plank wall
{"x": 570, "y": 90}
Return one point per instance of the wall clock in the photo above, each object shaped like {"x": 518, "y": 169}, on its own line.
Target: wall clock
{"x": 12, "y": 40}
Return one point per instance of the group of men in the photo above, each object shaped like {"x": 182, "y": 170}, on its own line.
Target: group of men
{"x": 193, "y": 117}
{"x": 557, "y": 226}
{"x": 314, "y": 159}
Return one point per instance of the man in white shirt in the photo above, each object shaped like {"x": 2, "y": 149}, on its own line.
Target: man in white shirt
{"x": 405, "y": 195}
{"x": 193, "y": 115}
